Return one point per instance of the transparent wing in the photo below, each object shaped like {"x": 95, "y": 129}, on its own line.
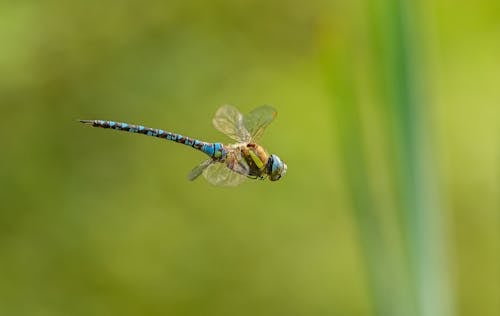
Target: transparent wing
{"x": 256, "y": 121}
{"x": 198, "y": 170}
{"x": 229, "y": 121}
{"x": 219, "y": 174}
{"x": 235, "y": 162}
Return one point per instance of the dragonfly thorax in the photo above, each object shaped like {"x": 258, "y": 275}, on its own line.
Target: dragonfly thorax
{"x": 256, "y": 158}
{"x": 261, "y": 164}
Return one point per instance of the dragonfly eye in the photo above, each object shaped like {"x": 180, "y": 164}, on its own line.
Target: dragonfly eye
{"x": 275, "y": 168}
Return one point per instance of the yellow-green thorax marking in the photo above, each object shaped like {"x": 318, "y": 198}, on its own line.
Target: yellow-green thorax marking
{"x": 256, "y": 157}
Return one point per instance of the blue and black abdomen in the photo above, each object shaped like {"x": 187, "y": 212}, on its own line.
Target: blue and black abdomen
{"x": 214, "y": 150}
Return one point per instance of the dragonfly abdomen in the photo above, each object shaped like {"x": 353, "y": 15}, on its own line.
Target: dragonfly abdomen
{"x": 214, "y": 150}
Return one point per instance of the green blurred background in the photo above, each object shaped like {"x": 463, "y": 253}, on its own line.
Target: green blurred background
{"x": 388, "y": 121}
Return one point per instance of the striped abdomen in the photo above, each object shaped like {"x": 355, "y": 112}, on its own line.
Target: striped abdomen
{"x": 214, "y": 150}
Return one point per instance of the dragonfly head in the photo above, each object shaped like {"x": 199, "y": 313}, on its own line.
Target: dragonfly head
{"x": 275, "y": 168}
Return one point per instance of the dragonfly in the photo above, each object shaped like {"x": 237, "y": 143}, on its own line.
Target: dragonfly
{"x": 227, "y": 164}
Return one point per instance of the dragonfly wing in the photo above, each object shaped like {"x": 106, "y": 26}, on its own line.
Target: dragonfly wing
{"x": 256, "y": 121}
{"x": 198, "y": 170}
{"x": 219, "y": 174}
{"x": 229, "y": 121}
{"x": 236, "y": 162}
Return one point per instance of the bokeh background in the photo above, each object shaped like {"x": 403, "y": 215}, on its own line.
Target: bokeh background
{"x": 388, "y": 121}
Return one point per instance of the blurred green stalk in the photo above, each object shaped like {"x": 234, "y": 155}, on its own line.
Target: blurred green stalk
{"x": 415, "y": 173}
{"x": 354, "y": 164}
{"x": 423, "y": 287}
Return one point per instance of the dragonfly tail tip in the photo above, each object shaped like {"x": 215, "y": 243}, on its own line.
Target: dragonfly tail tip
{"x": 85, "y": 121}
